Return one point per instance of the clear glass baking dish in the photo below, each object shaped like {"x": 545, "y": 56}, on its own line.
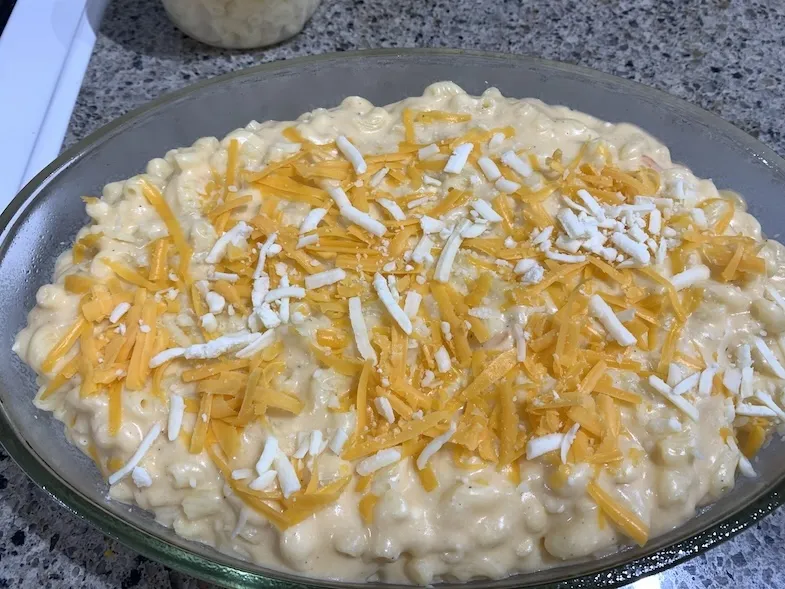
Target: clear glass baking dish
{"x": 44, "y": 218}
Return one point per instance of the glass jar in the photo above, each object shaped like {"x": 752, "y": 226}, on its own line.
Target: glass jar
{"x": 240, "y": 24}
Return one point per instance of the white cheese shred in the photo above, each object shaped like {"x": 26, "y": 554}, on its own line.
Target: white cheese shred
{"x": 137, "y": 456}
{"x": 536, "y": 447}
{"x": 287, "y": 476}
{"x": 287, "y": 292}
{"x": 412, "y": 303}
{"x": 175, "y": 420}
{"x": 485, "y": 210}
{"x": 235, "y": 236}
{"x": 339, "y": 439}
{"x": 386, "y": 297}
{"x": 769, "y": 358}
{"x": 447, "y": 257}
{"x": 687, "y": 384}
{"x": 351, "y": 153}
{"x": 745, "y": 466}
{"x": 260, "y": 343}
{"x": 428, "y": 151}
{"x": 312, "y": 220}
{"x": 679, "y": 402}
{"x": 489, "y": 168}
{"x": 442, "y": 358}
{"x": 434, "y": 446}
{"x": 690, "y": 277}
{"x": 637, "y": 251}
{"x": 165, "y": 356}
{"x": 384, "y": 408}
{"x": 766, "y": 399}
{"x": 516, "y": 164}
{"x": 263, "y": 481}
{"x": 268, "y": 455}
{"x": 118, "y": 312}
{"x": 458, "y": 158}
{"x": 361, "y": 337}
{"x": 380, "y": 460}
{"x": 326, "y": 278}
{"x": 430, "y": 225}
{"x": 600, "y": 310}
{"x": 392, "y": 207}
{"x": 569, "y": 438}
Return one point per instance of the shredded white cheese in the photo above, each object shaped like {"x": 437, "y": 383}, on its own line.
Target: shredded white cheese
{"x": 489, "y": 168}
{"x": 485, "y": 210}
{"x": 705, "y": 383}
{"x": 442, "y": 358}
{"x": 434, "y": 446}
{"x": 690, "y": 277}
{"x": 766, "y": 399}
{"x": 312, "y": 220}
{"x": 687, "y": 384}
{"x": 340, "y": 437}
{"x": 257, "y": 345}
{"x": 268, "y": 455}
{"x": 769, "y": 358}
{"x": 567, "y": 441}
{"x": 384, "y": 408}
{"x": 364, "y": 220}
{"x": 326, "y": 278}
{"x": 386, "y": 297}
{"x": 351, "y": 153}
{"x": 377, "y": 178}
{"x": 263, "y": 481}
{"x": 591, "y": 204}
{"x": 392, "y": 207}
{"x": 412, "y": 303}
{"x": 361, "y": 337}
{"x": 235, "y": 235}
{"x": 215, "y": 302}
{"x": 175, "y": 420}
{"x": 447, "y": 257}
{"x": 141, "y": 477}
{"x": 430, "y": 225}
{"x": 288, "y": 292}
{"x": 165, "y": 356}
{"x": 118, "y": 312}
{"x": 422, "y": 251}
{"x": 287, "y": 476}
{"x": 241, "y": 474}
{"x": 506, "y": 186}
{"x": 307, "y": 240}
{"x": 315, "y": 443}
{"x": 137, "y": 456}
{"x": 536, "y": 447}
{"x": 632, "y": 248}
{"x": 600, "y": 310}
{"x": 427, "y": 151}
{"x": 380, "y": 460}
{"x": 516, "y": 164}
{"x": 679, "y": 402}
{"x": 458, "y": 158}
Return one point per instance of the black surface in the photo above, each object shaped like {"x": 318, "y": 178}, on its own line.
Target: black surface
{"x": 6, "y": 6}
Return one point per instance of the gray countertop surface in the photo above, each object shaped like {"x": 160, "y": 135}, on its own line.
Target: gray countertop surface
{"x": 724, "y": 55}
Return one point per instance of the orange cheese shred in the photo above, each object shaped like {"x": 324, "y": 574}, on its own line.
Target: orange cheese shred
{"x": 624, "y": 518}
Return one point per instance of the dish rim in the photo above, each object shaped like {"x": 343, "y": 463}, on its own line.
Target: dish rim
{"x": 192, "y": 563}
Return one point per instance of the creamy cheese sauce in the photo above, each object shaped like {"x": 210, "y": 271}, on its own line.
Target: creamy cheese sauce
{"x": 479, "y": 522}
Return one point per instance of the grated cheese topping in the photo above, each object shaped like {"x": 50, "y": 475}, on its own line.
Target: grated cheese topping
{"x": 510, "y": 328}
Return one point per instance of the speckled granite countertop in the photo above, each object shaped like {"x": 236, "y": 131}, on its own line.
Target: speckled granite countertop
{"x": 724, "y": 55}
